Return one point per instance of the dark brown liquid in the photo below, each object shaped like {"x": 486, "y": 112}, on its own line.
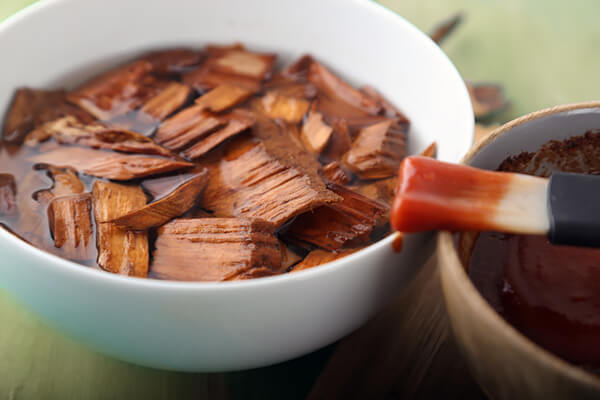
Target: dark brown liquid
{"x": 550, "y": 293}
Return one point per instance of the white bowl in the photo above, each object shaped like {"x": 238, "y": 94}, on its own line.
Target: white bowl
{"x": 235, "y": 325}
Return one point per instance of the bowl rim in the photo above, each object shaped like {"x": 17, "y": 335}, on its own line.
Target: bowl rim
{"x": 454, "y": 267}
{"x": 143, "y": 283}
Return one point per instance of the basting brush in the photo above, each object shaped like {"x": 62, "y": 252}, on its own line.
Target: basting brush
{"x": 438, "y": 195}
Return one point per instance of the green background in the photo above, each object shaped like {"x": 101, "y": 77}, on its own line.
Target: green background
{"x": 544, "y": 53}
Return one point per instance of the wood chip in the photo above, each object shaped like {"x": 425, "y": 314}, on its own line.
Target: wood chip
{"x": 339, "y": 142}
{"x": 288, "y": 109}
{"x": 32, "y": 225}
{"x": 445, "y": 28}
{"x": 298, "y": 70}
{"x": 260, "y": 272}
{"x": 65, "y": 182}
{"x": 117, "y": 91}
{"x": 289, "y": 258}
{"x": 237, "y": 121}
{"x": 120, "y": 251}
{"x": 186, "y": 127}
{"x": 335, "y": 88}
{"x": 232, "y": 65}
{"x": 382, "y": 190}
{"x": 487, "y": 99}
{"x": 272, "y": 178}
{"x": 389, "y": 109}
{"x": 69, "y": 130}
{"x": 377, "y": 151}
{"x": 315, "y": 132}
{"x": 320, "y": 257}
{"x": 223, "y": 97}
{"x": 430, "y": 151}
{"x": 173, "y": 61}
{"x": 331, "y": 227}
{"x": 174, "y": 204}
{"x": 285, "y": 86}
{"x": 120, "y": 167}
{"x": 70, "y": 223}
{"x": 31, "y": 108}
{"x": 236, "y": 60}
{"x": 8, "y": 193}
{"x": 334, "y": 172}
{"x": 228, "y": 248}
{"x": 205, "y": 78}
{"x": 167, "y": 101}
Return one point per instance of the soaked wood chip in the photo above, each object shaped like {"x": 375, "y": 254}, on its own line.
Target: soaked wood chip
{"x": 65, "y": 182}
{"x": 382, "y": 190}
{"x": 120, "y": 251}
{"x": 69, "y": 130}
{"x": 319, "y": 257}
{"x": 229, "y": 248}
{"x": 32, "y": 225}
{"x": 232, "y": 65}
{"x": 167, "y": 101}
{"x": 487, "y": 99}
{"x": 445, "y": 28}
{"x": 315, "y": 132}
{"x": 271, "y": 178}
{"x": 298, "y": 70}
{"x": 223, "y": 97}
{"x": 186, "y": 127}
{"x": 285, "y": 86}
{"x": 339, "y": 142}
{"x": 288, "y": 257}
{"x": 237, "y": 121}
{"x": 205, "y": 78}
{"x": 389, "y": 109}
{"x": 120, "y": 167}
{"x": 8, "y": 193}
{"x": 377, "y": 151}
{"x": 236, "y": 60}
{"x": 334, "y": 172}
{"x": 173, "y": 61}
{"x": 334, "y": 87}
{"x": 288, "y": 109}
{"x": 175, "y": 203}
{"x": 430, "y": 151}
{"x": 331, "y": 227}
{"x": 69, "y": 218}
{"x": 117, "y": 91}
{"x": 31, "y": 108}
{"x": 260, "y": 272}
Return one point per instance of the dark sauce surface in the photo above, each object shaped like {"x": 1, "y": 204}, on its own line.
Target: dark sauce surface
{"x": 549, "y": 293}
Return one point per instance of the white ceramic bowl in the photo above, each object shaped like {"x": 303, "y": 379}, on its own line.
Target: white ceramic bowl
{"x": 225, "y": 326}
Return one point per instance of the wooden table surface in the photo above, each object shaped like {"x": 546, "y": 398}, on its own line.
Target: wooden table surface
{"x": 545, "y": 52}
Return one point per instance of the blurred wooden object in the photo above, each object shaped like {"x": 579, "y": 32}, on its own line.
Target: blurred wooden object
{"x": 406, "y": 352}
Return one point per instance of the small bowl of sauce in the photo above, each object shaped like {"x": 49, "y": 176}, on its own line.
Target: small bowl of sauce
{"x": 526, "y": 312}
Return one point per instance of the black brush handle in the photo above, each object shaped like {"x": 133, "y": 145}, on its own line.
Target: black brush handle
{"x": 574, "y": 209}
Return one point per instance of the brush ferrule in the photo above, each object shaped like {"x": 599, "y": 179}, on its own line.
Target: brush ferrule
{"x": 574, "y": 209}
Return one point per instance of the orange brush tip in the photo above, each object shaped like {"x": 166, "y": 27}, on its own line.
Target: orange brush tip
{"x": 438, "y": 195}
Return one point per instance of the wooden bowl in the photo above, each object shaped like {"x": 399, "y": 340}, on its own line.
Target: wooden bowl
{"x": 505, "y": 363}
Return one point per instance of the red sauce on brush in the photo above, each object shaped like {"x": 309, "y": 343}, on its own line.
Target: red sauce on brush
{"x": 549, "y": 293}
{"x": 427, "y": 196}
